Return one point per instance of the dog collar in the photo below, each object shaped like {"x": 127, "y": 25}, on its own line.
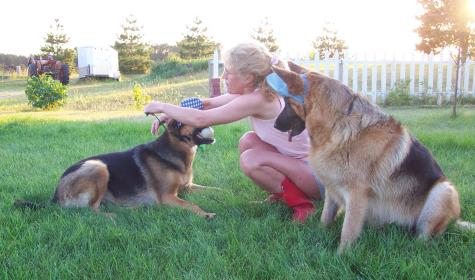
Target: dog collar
{"x": 280, "y": 87}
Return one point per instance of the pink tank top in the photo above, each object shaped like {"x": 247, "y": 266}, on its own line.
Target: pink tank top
{"x": 299, "y": 146}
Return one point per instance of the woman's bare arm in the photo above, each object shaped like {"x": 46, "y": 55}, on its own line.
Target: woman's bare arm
{"x": 214, "y": 102}
{"x": 236, "y": 109}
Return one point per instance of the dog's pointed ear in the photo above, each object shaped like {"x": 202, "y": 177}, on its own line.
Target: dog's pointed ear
{"x": 173, "y": 126}
{"x": 292, "y": 79}
{"x": 297, "y": 68}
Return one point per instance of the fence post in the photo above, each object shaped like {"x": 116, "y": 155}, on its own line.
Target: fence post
{"x": 440, "y": 68}
{"x": 459, "y": 81}
{"x": 466, "y": 75}
{"x": 412, "y": 70}
{"x": 383, "y": 78}
{"x": 402, "y": 70}
{"x": 393, "y": 72}
{"x": 307, "y": 61}
{"x": 336, "y": 68}
{"x": 364, "y": 78}
{"x": 448, "y": 85}
{"x": 374, "y": 79}
{"x": 213, "y": 75}
{"x": 345, "y": 69}
{"x": 327, "y": 65}
{"x": 297, "y": 59}
{"x": 316, "y": 61}
{"x": 355, "y": 75}
{"x": 216, "y": 64}
{"x": 473, "y": 79}
{"x": 430, "y": 80}
{"x": 421, "y": 75}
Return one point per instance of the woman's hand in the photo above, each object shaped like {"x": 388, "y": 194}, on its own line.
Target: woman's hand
{"x": 153, "y": 107}
{"x": 155, "y": 127}
{"x": 156, "y": 124}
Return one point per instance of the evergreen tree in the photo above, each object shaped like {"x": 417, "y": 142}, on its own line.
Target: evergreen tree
{"x": 134, "y": 54}
{"x": 13, "y": 60}
{"x": 330, "y": 42}
{"x": 448, "y": 24}
{"x": 160, "y": 52}
{"x": 265, "y": 35}
{"x": 55, "y": 43}
{"x": 196, "y": 44}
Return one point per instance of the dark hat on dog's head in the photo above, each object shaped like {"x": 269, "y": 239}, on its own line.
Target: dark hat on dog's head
{"x": 281, "y": 88}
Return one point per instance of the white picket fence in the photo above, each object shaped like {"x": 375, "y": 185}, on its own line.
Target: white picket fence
{"x": 425, "y": 74}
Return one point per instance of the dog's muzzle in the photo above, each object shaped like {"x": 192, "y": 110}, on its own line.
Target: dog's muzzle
{"x": 205, "y": 136}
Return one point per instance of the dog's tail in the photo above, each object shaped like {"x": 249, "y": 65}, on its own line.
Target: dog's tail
{"x": 465, "y": 225}
{"x": 27, "y": 204}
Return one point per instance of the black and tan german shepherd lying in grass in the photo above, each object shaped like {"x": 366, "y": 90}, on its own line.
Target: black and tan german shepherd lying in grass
{"x": 147, "y": 174}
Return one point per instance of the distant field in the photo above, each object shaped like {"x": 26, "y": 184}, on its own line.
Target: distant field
{"x": 109, "y": 95}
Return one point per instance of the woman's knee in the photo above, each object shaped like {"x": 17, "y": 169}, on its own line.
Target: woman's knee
{"x": 248, "y": 161}
{"x": 247, "y": 141}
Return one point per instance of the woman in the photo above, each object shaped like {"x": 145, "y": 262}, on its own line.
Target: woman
{"x": 276, "y": 165}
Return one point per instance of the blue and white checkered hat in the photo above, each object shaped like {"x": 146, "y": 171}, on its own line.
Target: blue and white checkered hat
{"x": 192, "y": 102}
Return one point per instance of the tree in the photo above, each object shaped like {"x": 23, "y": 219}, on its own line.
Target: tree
{"x": 13, "y": 60}
{"x": 134, "y": 54}
{"x": 448, "y": 24}
{"x": 330, "y": 42}
{"x": 162, "y": 51}
{"x": 265, "y": 35}
{"x": 196, "y": 44}
{"x": 55, "y": 43}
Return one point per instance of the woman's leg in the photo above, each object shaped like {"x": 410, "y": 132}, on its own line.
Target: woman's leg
{"x": 265, "y": 177}
{"x": 267, "y": 167}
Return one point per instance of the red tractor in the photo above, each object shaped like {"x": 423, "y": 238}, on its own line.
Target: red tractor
{"x": 57, "y": 70}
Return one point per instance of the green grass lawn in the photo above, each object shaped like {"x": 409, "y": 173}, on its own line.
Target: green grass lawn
{"x": 244, "y": 241}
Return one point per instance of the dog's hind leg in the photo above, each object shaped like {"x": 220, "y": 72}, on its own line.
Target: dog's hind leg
{"x": 84, "y": 187}
{"x": 99, "y": 180}
{"x": 441, "y": 207}
{"x": 173, "y": 200}
{"x": 330, "y": 209}
{"x": 355, "y": 212}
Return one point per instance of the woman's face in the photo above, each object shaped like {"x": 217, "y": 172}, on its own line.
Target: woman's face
{"x": 236, "y": 82}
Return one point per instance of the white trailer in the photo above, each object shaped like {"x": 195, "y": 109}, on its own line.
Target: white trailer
{"x": 98, "y": 62}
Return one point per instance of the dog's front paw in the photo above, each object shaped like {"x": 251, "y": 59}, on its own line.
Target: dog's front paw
{"x": 344, "y": 247}
{"x": 209, "y": 215}
{"x": 109, "y": 215}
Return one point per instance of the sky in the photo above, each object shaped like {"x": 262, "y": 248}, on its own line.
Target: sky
{"x": 368, "y": 26}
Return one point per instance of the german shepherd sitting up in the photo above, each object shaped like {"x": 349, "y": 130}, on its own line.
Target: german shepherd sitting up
{"x": 147, "y": 174}
{"x": 367, "y": 161}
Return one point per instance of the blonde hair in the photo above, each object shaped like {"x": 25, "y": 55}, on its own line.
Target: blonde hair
{"x": 250, "y": 59}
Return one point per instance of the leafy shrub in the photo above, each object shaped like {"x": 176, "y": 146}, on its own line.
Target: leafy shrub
{"x": 139, "y": 98}
{"x": 422, "y": 99}
{"x": 45, "y": 93}
{"x": 399, "y": 95}
{"x": 174, "y": 66}
{"x": 466, "y": 99}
